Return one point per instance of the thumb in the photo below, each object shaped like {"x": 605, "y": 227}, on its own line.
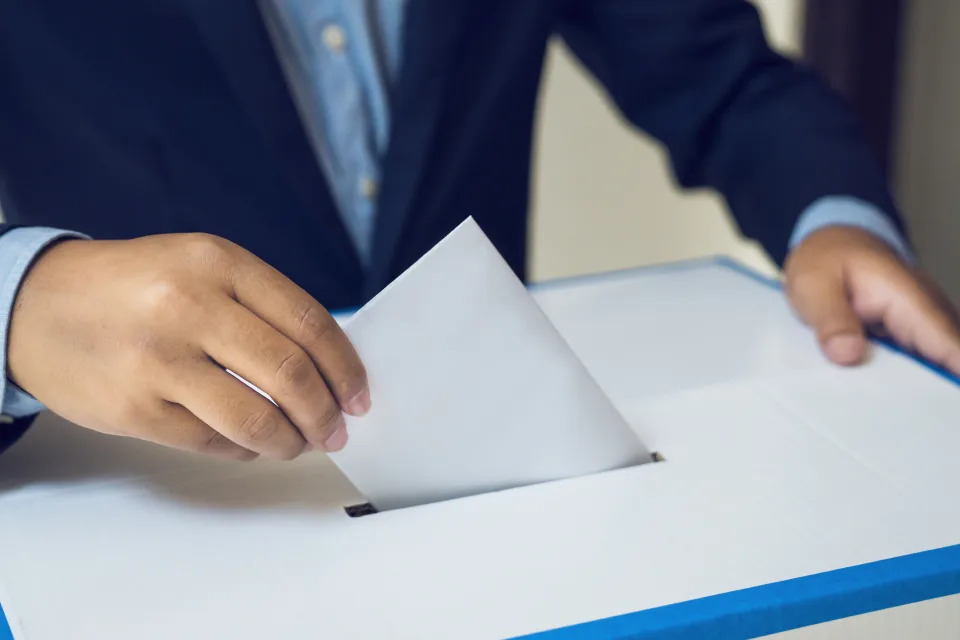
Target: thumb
{"x": 822, "y": 301}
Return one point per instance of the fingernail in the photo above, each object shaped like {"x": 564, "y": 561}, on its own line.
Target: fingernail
{"x": 845, "y": 349}
{"x": 337, "y": 440}
{"x": 359, "y": 404}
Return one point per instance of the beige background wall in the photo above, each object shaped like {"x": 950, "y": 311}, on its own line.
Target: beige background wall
{"x": 603, "y": 197}
{"x": 928, "y": 169}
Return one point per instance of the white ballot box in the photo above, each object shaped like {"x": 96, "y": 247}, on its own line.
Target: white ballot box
{"x": 788, "y": 493}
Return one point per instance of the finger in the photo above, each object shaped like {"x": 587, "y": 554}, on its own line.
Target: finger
{"x": 920, "y": 322}
{"x": 293, "y": 312}
{"x": 236, "y": 411}
{"x": 253, "y": 349}
{"x": 177, "y": 428}
{"x": 822, "y": 301}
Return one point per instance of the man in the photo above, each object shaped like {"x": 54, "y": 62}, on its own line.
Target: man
{"x": 337, "y": 140}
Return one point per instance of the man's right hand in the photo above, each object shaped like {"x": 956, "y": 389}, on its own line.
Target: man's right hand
{"x": 133, "y": 337}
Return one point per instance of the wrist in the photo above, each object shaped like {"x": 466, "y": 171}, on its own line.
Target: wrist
{"x": 850, "y": 213}
{"x": 20, "y": 249}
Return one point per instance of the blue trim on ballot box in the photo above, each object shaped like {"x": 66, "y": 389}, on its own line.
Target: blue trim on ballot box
{"x": 5, "y": 632}
{"x": 782, "y": 606}
{"x": 774, "y": 607}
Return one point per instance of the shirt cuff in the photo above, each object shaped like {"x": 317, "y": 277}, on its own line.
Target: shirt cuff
{"x": 846, "y": 211}
{"x": 18, "y": 249}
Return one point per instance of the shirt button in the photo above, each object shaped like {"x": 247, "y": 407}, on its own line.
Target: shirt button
{"x": 369, "y": 188}
{"x": 334, "y": 37}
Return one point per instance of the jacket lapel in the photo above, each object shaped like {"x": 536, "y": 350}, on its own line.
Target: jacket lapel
{"x": 431, "y": 33}
{"x": 237, "y": 38}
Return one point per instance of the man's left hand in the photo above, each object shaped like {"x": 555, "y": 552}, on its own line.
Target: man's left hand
{"x": 842, "y": 280}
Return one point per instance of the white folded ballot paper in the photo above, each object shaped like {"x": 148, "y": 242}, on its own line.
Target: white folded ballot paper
{"x": 473, "y": 389}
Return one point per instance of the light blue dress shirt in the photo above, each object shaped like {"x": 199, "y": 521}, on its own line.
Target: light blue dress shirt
{"x": 340, "y": 57}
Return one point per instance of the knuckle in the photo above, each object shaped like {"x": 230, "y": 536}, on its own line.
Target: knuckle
{"x": 313, "y": 323}
{"x": 330, "y": 415}
{"x": 205, "y": 248}
{"x": 136, "y": 416}
{"x": 266, "y": 426}
{"x": 217, "y": 444}
{"x": 260, "y": 426}
{"x": 214, "y": 442}
{"x": 295, "y": 373}
{"x": 165, "y": 294}
{"x": 170, "y": 299}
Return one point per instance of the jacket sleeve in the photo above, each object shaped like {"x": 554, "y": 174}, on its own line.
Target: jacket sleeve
{"x": 734, "y": 116}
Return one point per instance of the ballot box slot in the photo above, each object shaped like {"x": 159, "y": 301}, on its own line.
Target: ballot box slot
{"x": 360, "y": 510}
{"x": 367, "y": 509}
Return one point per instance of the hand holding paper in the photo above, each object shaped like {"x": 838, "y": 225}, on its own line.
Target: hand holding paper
{"x": 131, "y": 337}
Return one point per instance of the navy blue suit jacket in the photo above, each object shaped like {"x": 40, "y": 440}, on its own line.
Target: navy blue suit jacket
{"x": 121, "y": 118}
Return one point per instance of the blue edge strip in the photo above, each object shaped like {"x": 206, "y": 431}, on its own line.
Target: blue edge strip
{"x": 779, "y": 606}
